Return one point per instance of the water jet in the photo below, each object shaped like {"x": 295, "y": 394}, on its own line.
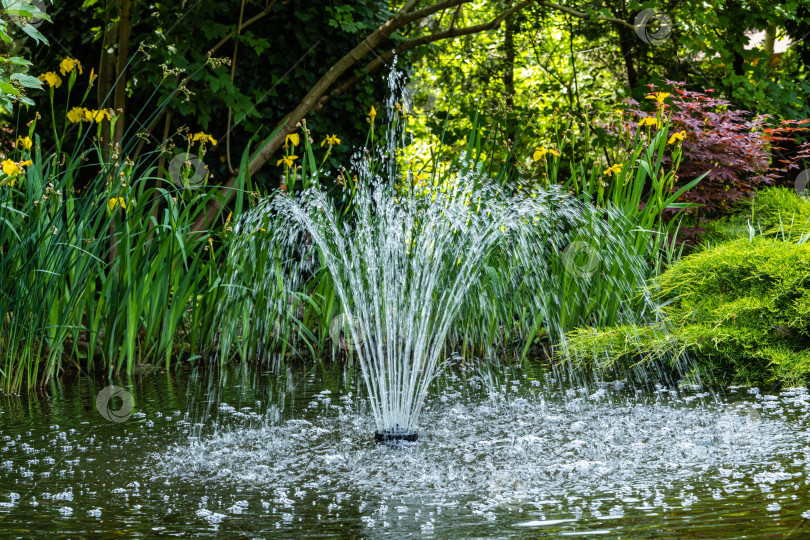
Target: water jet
{"x": 420, "y": 268}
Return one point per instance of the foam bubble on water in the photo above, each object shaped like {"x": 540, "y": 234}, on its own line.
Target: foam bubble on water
{"x": 64, "y": 496}
{"x": 213, "y": 518}
{"x": 500, "y": 453}
{"x": 771, "y": 477}
{"x": 238, "y": 507}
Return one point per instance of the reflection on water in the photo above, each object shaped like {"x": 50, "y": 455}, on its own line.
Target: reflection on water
{"x": 246, "y": 453}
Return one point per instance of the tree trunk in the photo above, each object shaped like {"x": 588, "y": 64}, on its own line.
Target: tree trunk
{"x": 627, "y": 40}
{"x": 106, "y": 73}
{"x": 124, "y": 30}
{"x": 509, "y": 62}
{"x": 112, "y": 67}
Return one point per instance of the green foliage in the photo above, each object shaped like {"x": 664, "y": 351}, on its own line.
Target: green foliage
{"x": 775, "y": 212}
{"x": 14, "y": 83}
{"x": 124, "y": 279}
{"x": 740, "y": 302}
{"x": 740, "y": 309}
{"x": 526, "y": 88}
{"x": 279, "y": 58}
{"x": 99, "y": 266}
{"x": 783, "y": 213}
{"x": 712, "y": 41}
{"x": 541, "y": 63}
{"x": 119, "y": 276}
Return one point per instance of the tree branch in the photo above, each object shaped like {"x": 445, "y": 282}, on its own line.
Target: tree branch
{"x": 583, "y": 15}
{"x": 315, "y": 99}
{"x": 380, "y": 60}
{"x": 263, "y": 13}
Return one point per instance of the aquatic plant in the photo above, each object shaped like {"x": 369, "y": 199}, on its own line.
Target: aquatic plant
{"x": 99, "y": 269}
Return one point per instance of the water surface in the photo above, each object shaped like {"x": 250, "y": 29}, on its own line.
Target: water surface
{"x": 289, "y": 452}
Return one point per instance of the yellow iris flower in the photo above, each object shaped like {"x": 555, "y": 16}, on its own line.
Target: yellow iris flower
{"x": 659, "y": 97}
{"x": 11, "y": 168}
{"x": 540, "y": 153}
{"x": 76, "y": 114}
{"x": 52, "y": 79}
{"x": 648, "y": 121}
{"x": 288, "y": 161}
{"x": 69, "y": 64}
{"x": 115, "y": 202}
{"x": 614, "y": 169}
{"x": 204, "y": 137}
{"x": 293, "y": 139}
{"x": 331, "y": 140}
{"x": 96, "y": 115}
{"x": 679, "y": 136}
{"x": 25, "y": 143}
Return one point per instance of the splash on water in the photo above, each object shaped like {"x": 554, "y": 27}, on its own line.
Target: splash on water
{"x": 421, "y": 269}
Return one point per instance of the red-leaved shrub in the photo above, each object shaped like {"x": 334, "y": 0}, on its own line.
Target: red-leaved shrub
{"x": 739, "y": 152}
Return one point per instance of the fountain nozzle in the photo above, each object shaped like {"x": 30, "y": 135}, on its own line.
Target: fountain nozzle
{"x": 394, "y": 435}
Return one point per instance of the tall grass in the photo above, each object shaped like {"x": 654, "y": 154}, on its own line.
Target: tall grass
{"x": 595, "y": 261}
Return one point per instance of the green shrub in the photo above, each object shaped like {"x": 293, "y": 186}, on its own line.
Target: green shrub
{"x": 775, "y": 212}
{"x": 741, "y": 310}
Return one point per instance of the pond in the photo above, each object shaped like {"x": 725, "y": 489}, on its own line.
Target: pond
{"x": 289, "y": 452}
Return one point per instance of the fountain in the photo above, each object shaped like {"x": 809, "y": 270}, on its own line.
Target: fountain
{"x": 402, "y": 266}
{"x": 408, "y": 262}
